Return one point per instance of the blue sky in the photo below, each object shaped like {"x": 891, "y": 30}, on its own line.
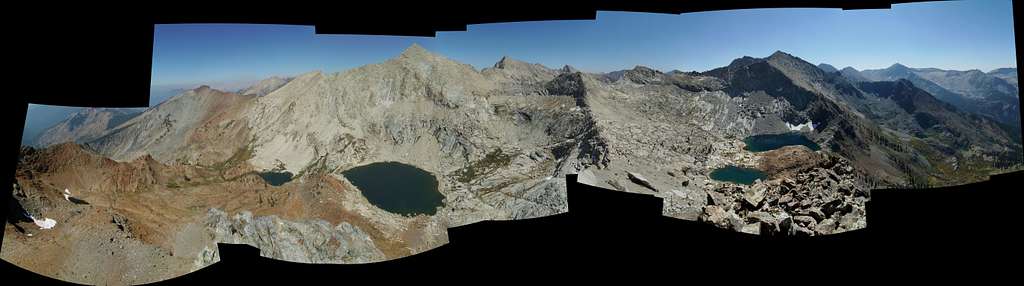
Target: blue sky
{"x": 962, "y": 35}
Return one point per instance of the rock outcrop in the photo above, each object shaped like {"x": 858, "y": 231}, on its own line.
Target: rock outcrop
{"x": 818, "y": 200}
{"x": 307, "y": 241}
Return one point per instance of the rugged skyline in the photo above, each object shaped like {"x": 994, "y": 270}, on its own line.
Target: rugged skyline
{"x": 955, "y": 35}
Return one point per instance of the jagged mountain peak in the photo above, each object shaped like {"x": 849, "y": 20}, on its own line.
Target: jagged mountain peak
{"x": 568, "y": 69}
{"x": 414, "y": 51}
{"x": 785, "y": 59}
{"x": 852, "y": 75}
{"x": 416, "y": 54}
{"x": 507, "y": 62}
{"x": 780, "y": 55}
{"x": 743, "y": 61}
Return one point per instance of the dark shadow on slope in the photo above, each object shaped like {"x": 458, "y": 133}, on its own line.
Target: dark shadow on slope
{"x": 77, "y": 201}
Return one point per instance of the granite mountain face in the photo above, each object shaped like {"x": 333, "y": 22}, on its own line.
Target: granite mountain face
{"x": 181, "y": 176}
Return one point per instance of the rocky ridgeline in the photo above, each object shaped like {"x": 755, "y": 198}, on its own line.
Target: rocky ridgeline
{"x": 84, "y": 125}
{"x": 308, "y": 241}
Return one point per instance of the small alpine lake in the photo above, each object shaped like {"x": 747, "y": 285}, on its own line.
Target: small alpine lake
{"x": 739, "y": 175}
{"x": 768, "y": 142}
{"x": 275, "y": 178}
{"x": 397, "y": 188}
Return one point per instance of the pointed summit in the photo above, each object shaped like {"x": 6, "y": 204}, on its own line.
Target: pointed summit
{"x": 780, "y": 55}
{"x": 827, "y": 68}
{"x": 743, "y": 61}
{"x": 507, "y": 62}
{"x": 202, "y": 88}
{"x": 643, "y": 75}
{"x": 568, "y": 69}
{"x": 415, "y": 51}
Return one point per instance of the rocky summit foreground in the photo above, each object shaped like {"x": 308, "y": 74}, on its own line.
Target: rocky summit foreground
{"x": 148, "y": 197}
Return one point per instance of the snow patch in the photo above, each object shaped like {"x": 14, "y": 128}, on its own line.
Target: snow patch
{"x": 45, "y": 223}
{"x": 800, "y": 127}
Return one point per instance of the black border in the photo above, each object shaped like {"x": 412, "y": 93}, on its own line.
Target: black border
{"x": 100, "y": 55}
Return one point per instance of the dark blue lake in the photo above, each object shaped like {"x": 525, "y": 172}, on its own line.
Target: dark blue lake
{"x": 397, "y": 187}
{"x": 768, "y": 142}
{"x": 739, "y": 175}
{"x": 276, "y": 178}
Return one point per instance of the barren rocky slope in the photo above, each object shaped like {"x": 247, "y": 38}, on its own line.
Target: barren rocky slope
{"x": 265, "y": 86}
{"x": 84, "y": 125}
{"x": 664, "y": 138}
{"x": 142, "y": 215}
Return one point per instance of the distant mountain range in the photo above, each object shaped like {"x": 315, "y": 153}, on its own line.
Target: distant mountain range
{"x": 1007, "y": 74}
{"x": 994, "y": 94}
{"x": 85, "y": 125}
